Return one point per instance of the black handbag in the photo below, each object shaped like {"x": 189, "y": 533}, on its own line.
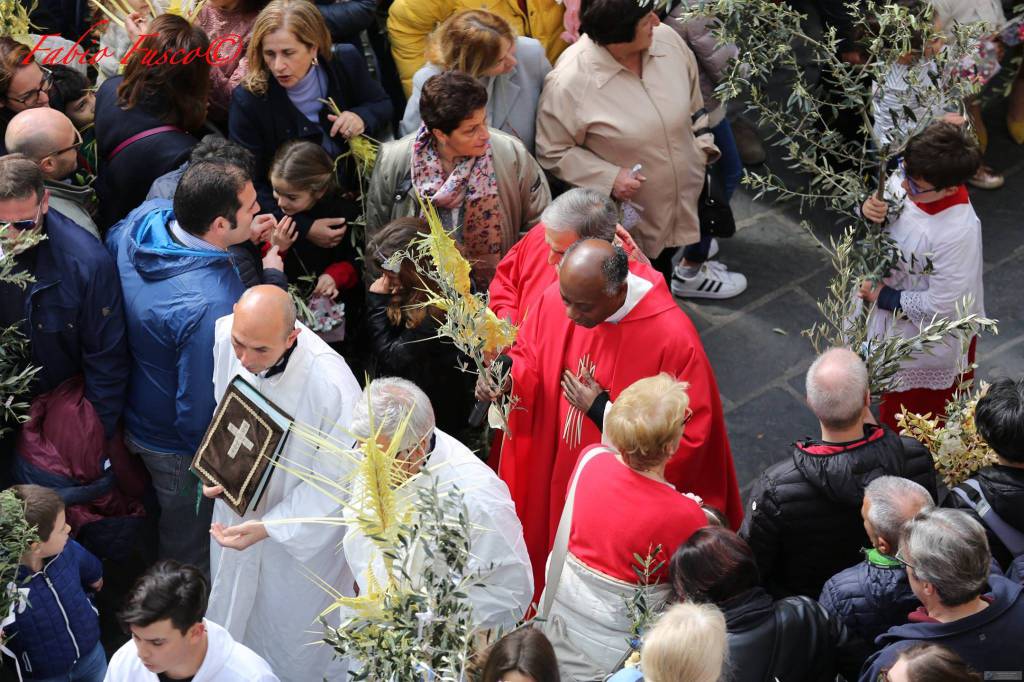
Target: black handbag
{"x": 713, "y": 209}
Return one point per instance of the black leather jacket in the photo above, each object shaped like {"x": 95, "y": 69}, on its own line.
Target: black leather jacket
{"x": 793, "y": 639}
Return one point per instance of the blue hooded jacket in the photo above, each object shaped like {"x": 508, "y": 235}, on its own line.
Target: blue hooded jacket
{"x": 989, "y": 641}
{"x": 173, "y": 296}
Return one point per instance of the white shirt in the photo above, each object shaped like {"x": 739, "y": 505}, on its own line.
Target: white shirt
{"x": 226, "y": 661}
{"x": 636, "y": 288}
{"x": 264, "y": 595}
{"x": 951, "y": 239}
{"x": 498, "y": 551}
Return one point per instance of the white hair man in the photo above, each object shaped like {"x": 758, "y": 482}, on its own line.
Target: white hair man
{"x": 803, "y": 522}
{"x": 874, "y": 595}
{"x": 499, "y": 561}
{"x": 531, "y": 265}
{"x": 260, "y": 563}
{"x": 977, "y": 615}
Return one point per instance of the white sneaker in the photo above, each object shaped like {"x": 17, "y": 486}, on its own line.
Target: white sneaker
{"x": 713, "y": 249}
{"x": 713, "y": 280}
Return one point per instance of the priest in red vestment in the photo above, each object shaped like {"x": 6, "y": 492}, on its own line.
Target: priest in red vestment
{"x": 595, "y": 331}
{"x": 531, "y": 265}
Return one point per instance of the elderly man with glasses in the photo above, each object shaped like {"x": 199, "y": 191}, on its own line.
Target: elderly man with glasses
{"x": 977, "y": 615}
{"x": 50, "y": 139}
{"x": 71, "y": 313}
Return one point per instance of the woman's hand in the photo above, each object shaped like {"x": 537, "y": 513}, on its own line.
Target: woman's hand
{"x": 325, "y": 286}
{"x": 580, "y": 391}
{"x": 875, "y": 209}
{"x": 136, "y": 25}
{"x": 348, "y": 124}
{"x": 327, "y": 232}
{"x": 626, "y": 185}
{"x": 284, "y": 235}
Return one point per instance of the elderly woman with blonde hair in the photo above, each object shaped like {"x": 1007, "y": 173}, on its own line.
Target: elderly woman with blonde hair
{"x": 511, "y": 67}
{"x": 687, "y": 643}
{"x": 619, "y": 506}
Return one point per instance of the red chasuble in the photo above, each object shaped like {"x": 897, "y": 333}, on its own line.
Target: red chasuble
{"x": 547, "y": 436}
{"x": 524, "y": 273}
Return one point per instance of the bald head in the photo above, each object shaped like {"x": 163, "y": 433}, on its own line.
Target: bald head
{"x": 837, "y": 388}
{"x": 263, "y": 327}
{"x": 40, "y": 132}
{"x": 592, "y": 281}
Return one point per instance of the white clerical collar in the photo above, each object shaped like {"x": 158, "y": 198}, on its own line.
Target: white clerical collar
{"x": 636, "y": 289}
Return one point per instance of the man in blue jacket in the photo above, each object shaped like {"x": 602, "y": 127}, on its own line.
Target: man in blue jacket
{"x": 875, "y": 595}
{"x": 178, "y": 277}
{"x": 977, "y": 615}
{"x": 71, "y": 313}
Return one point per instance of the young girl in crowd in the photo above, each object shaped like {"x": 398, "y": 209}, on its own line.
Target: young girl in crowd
{"x": 78, "y": 102}
{"x": 304, "y": 182}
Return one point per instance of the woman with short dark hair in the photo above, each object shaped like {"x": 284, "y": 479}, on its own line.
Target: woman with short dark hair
{"x": 482, "y": 181}
{"x": 790, "y": 639}
{"x": 622, "y": 113}
{"x": 146, "y": 118}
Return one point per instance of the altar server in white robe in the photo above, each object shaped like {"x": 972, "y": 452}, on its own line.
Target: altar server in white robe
{"x": 262, "y": 590}
{"x": 498, "y": 558}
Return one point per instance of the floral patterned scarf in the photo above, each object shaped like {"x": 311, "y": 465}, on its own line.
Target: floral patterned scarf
{"x": 471, "y": 186}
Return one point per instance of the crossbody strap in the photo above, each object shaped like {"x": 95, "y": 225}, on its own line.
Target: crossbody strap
{"x": 141, "y": 136}
{"x": 1012, "y": 538}
{"x": 560, "y": 549}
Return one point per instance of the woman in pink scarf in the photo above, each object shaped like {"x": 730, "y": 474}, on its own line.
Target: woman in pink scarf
{"x": 486, "y": 187}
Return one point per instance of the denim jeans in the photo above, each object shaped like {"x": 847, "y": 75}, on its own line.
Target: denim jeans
{"x": 183, "y": 528}
{"x": 92, "y": 667}
{"x": 729, "y": 169}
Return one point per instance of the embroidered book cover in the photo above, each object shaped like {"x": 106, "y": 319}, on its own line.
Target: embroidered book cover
{"x": 244, "y": 439}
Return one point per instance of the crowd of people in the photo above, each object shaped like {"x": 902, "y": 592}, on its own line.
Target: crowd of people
{"x": 172, "y": 224}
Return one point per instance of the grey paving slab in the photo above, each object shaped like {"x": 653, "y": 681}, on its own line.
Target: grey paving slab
{"x": 762, "y": 431}
{"x": 1008, "y": 362}
{"x": 771, "y": 253}
{"x": 749, "y": 356}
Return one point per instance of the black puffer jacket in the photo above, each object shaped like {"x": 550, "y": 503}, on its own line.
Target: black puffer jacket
{"x": 1003, "y": 487}
{"x": 870, "y": 598}
{"x": 790, "y": 639}
{"x": 804, "y": 523}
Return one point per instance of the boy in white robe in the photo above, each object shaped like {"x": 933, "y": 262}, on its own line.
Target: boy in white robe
{"x": 936, "y": 225}
{"x": 170, "y": 638}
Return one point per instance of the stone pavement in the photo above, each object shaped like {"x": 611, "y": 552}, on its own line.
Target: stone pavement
{"x": 754, "y": 341}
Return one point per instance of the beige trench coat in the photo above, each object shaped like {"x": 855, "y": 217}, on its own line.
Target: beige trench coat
{"x": 596, "y": 116}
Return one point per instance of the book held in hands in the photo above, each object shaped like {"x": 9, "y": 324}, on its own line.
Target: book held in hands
{"x": 243, "y": 441}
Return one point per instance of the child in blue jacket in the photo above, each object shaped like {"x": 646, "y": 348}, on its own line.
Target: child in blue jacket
{"x": 56, "y": 630}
